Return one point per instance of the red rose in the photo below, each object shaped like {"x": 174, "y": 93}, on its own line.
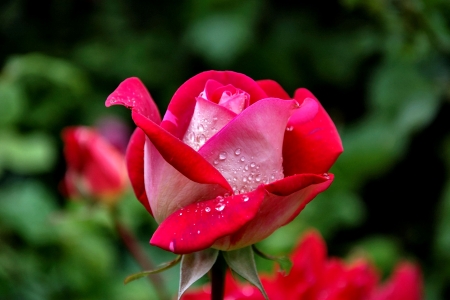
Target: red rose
{"x": 232, "y": 160}
{"x": 94, "y": 167}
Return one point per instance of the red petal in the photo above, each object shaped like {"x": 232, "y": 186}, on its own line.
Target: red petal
{"x": 181, "y": 107}
{"x": 277, "y": 210}
{"x": 197, "y": 226}
{"x": 313, "y": 144}
{"x": 273, "y": 89}
{"x": 182, "y": 157}
{"x": 135, "y": 166}
{"x": 133, "y": 94}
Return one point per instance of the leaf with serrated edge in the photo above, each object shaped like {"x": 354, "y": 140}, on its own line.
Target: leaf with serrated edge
{"x": 194, "y": 266}
{"x": 242, "y": 262}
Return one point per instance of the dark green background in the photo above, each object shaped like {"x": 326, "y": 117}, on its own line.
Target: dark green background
{"x": 380, "y": 68}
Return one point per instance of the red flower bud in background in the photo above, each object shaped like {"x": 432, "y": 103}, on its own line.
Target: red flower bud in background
{"x": 95, "y": 168}
{"x": 314, "y": 276}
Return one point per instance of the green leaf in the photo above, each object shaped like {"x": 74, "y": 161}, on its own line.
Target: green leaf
{"x": 163, "y": 267}
{"x": 242, "y": 262}
{"x": 194, "y": 266}
{"x": 283, "y": 261}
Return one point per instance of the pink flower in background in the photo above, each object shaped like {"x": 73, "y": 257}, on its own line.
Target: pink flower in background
{"x": 314, "y": 276}
{"x": 95, "y": 168}
{"x": 232, "y": 160}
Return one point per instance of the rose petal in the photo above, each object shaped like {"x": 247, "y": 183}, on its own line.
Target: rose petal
{"x": 312, "y": 143}
{"x": 135, "y": 165}
{"x": 133, "y": 94}
{"x": 247, "y": 151}
{"x": 181, "y": 107}
{"x": 207, "y": 120}
{"x": 273, "y": 89}
{"x": 197, "y": 226}
{"x": 182, "y": 157}
{"x": 277, "y": 210}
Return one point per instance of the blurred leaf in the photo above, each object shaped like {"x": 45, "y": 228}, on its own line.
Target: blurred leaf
{"x": 12, "y": 102}
{"x": 26, "y": 154}
{"x": 25, "y": 207}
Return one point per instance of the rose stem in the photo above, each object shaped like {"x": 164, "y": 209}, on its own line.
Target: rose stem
{"x": 133, "y": 246}
{"x": 217, "y": 275}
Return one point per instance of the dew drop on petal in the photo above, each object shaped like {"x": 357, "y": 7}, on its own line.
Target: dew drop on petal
{"x": 222, "y": 156}
{"x": 201, "y": 139}
{"x": 245, "y": 198}
{"x": 207, "y": 209}
{"x": 238, "y": 151}
{"x": 171, "y": 246}
{"x": 220, "y": 206}
{"x": 258, "y": 177}
{"x": 200, "y": 128}
{"x": 242, "y": 159}
{"x": 215, "y": 162}
{"x": 252, "y": 164}
{"x": 290, "y": 128}
{"x": 198, "y": 232}
{"x": 326, "y": 175}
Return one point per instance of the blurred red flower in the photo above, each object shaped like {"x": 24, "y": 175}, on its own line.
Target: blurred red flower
{"x": 314, "y": 276}
{"x": 95, "y": 168}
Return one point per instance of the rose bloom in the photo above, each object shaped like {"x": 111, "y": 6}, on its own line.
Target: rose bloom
{"x": 314, "y": 276}
{"x": 95, "y": 168}
{"x": 232, "y": 160}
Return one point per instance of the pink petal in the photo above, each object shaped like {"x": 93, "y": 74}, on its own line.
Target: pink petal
{"x": 273, "y": 89}
{"x": 133, "y": 94}
{"x": 207, "y": 120}
{"x": 277, "y": 210}
{"x": 181, "y": 107}
{"x": 197, "y": 226}
{"x": 182, "y": 157}
{"x": 312, "y": 143}
{"x": 135, "y": 165}
{"x": 248, "y": 151}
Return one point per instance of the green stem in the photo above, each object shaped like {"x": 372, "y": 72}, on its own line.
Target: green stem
{"x": 217, "y": 274}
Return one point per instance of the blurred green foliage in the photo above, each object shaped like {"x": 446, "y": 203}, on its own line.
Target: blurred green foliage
{"x": 380, "y": 68}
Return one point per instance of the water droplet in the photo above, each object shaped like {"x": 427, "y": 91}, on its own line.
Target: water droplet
{"x": 200, "y": 128}
{"x": 215, "y": 162}
{"x": 207, "y": 209}
{"x": 244, "y": 179}
{"x": 191, "y": 137}
{"x": 201, "y": 139}
{"x": 222, "y": 156}
{"x": 238, "y": 151}
{"x": 250, "y": 177}
{"x": 181, "y": 213}
{"x": 245, "y": 198}
{"x": 198, "y": 232}
{"x": 242, "y": 159}
{"x": 252, "y": 164}
{"x": 219, "y": 198}
{"x": 290, "y": 128}
{"x": 326, "y": 175}
{"x": 171, "y": 246}
{"x": 242, "y": 191}
{"x": 226, "y": 195}
{"x": 258, "y": 177}
{"x": 220, "y": 206}
{"x": 246, "y": 168}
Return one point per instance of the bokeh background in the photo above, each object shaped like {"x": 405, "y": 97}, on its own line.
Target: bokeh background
{"x": 380, "y": 68}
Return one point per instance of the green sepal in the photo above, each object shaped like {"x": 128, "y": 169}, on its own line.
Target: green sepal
{"x": 163, "y": 267}
{"x": 283, "y": 261}
{"x": 194, "y": 266}
{"x": 242, "y": 262}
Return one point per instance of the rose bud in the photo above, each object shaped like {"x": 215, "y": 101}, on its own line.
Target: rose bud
{"x": 232, "y": 160}
{"x": 95, "y": 168}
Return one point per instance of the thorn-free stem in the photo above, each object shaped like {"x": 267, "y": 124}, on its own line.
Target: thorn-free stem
{"x": 217, "y": 276}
